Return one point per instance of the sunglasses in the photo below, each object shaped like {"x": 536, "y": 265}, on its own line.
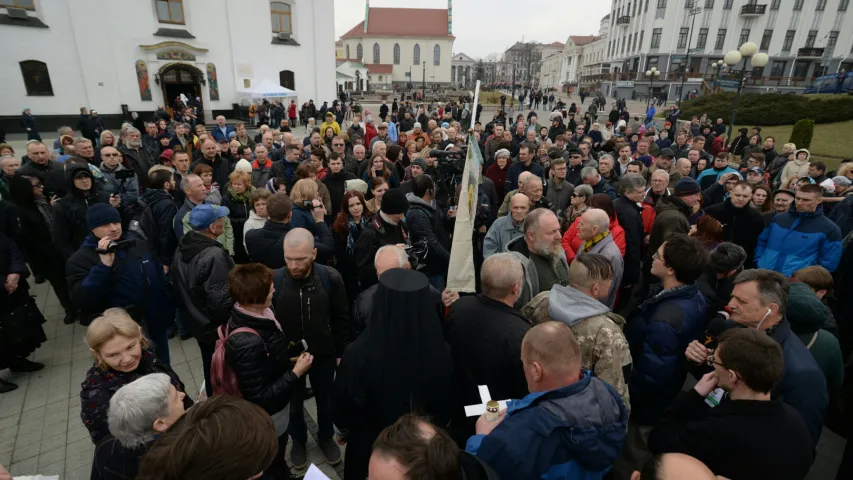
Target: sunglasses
{"x": 110, "y": 154}
{"x": 337, "y": 144}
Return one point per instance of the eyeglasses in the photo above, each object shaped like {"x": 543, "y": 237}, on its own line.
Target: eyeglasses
{"x": 337, "y": 144}
{"x": 38, "y": 185}
{"x": 110, "y": 154}
{"x": 657, "y": 256}
{"x": 712, "y": 360}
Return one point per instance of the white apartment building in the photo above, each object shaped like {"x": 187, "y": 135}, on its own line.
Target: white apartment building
{"x": 804, "y": 39}
{"x": 581, "y": 53}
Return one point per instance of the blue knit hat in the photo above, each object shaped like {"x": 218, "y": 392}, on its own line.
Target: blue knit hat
{"x": 687, "y": 186}
{"x": 101, "y": 214}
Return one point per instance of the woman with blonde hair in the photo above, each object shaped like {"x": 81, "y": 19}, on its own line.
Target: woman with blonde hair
{"x": 107, "y": 139}
{"x": 237, "y": 201}
{"x": 309, "y": 213}
{"x": 122, "y": 355}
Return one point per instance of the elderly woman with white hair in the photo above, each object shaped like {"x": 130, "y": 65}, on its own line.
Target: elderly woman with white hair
{"x": 139, "y": 412}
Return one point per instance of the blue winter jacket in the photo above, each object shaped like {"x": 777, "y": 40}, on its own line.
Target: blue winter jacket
{"x": 794, "y": 240}
{"x": 658, "y": 335}
{"x": 574, "y": 432}
{"x": 515, "y": 170}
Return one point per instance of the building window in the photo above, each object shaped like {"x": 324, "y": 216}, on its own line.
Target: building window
{"x": 359, "y": 52}
{"x": 656, "y": 33}
{"x": 744, "y": 36}
{"x": 775, "y": 4}
{"x": 25, "y": 4}
{"x": 653, "y": 62}
{"x": 789, "y": 40}
{"x": 702, "y": 39}
{"x": 798, "y": 4}
{"x": 416, "y": 54}
{"x": 396, "y": 54}
{"x": 36, "y": 78}
{"x": 842, "y": 5}
{"x": 778, "y": 69}
{"x": 647, "y": 6}
{"x": 811, "y": 38}
{"x": 831, "y": 41}
{"x": 721, "y": 39}
{"x": 682, "y": 37}
{"x": 170, "y": 11}
{"x": 635, "y": 42}
{"x": 821, "y": 5}
{"x": 436, "y": 55}
{"x": 709, "y": 3}
{"x": 727, "y": 5}
{"x": 376, "y": 56}
{"x": 661, "y": 3}
{"x": 765, "y": 40}
{"x": 348, "y": 52}
{"x": 640, "y": 44}
{"x": 280, "y": 14}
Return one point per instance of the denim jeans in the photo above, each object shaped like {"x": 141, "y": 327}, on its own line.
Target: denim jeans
{"x": 322, "y": 374}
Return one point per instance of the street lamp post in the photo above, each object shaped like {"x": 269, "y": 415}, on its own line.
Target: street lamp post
{"x": 718, "y": 65}
{"x": 423, "y": 85}
{"x": 746, "y": 52}
{"x": 651, "y": 73}
{"x": 694, "y": 10}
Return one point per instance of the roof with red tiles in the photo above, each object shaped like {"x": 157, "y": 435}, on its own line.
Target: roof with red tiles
{"x": 380, "y": 68}
{"x": 410, "y": 22}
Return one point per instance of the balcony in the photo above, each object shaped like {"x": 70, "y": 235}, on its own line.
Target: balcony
{"x": 623, "y": 21}
{"x": 810, "y": 52}
{"x": 752, "y": 10}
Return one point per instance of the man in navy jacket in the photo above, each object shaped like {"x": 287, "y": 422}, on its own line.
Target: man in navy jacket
{"x": 571, "y": 425}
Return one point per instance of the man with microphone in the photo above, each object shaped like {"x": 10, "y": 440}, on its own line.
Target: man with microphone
{"x": 758, "y": 301}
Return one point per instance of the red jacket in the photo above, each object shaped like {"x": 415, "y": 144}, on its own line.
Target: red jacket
{"x": 718, "y": 145}
{"x": 369, "y": 133}
{"x": 572, "y": 242}
{"x": 291, "y": 110}
{"x": 648, "y": 212}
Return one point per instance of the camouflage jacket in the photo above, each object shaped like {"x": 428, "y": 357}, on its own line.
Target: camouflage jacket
{"x": 603, "y": 346}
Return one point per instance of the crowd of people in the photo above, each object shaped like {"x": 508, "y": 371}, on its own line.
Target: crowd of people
{"x": 652, "y": 301}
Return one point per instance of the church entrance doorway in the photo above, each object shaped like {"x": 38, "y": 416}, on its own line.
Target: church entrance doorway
{"x": 177, "y": 79}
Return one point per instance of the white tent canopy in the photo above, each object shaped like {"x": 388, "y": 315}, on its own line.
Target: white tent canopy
{"x": 267, "y": 89}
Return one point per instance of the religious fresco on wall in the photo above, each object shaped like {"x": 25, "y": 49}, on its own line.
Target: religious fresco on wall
{"x": 212, "y": 81}
{"x": 143, "y": 80}
{"x": 181, "y": 55}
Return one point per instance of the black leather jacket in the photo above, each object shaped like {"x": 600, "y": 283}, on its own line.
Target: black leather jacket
{"x": 260, "y": 362}
{"x": 200, "y": 273}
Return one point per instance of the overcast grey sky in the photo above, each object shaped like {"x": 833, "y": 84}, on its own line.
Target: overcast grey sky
{"x": 482, "y": 27}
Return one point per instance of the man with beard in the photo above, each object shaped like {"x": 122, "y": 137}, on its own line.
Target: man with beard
{"x": 136, "y": 157}
{"x": 541, "y": 253}
{"x": 624, "y": 159}
{"x": 742, "y": 223}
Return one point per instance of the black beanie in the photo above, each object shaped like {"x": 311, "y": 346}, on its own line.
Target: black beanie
{"x": 394, "y": 201}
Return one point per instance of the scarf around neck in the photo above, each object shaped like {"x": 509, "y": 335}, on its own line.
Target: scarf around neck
{"x": 353, "y": 228}
{"x": 587, "y": 245}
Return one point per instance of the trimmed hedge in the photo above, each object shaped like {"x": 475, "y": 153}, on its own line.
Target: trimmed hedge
{"x": 771, "y": 108}
{"x": 802, "y": 134}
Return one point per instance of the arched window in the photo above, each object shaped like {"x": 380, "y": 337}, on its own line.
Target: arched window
{"x": 376, "y": 55}
{"x": 417, "y": 54}
{"x": 348, "y": 51}
{"x": 396, "y": 54}
{"x": 359, "y": 53}
{"x": 436, "y": 55}
{"x": 280, "y": 13}
{"x": 36, "y": 78}
{"x": 286, "y": 79}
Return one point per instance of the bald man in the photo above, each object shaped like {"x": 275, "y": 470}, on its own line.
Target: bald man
{"x": 522, "y": 179}
{"x": 387, "y": 258}
{"x": 562, "y": 398}
{"x": 484, "y": 333}
{"x": 311, "y": 304}
{"x": 594, "y": 231}
{"x": 507, "y": 228}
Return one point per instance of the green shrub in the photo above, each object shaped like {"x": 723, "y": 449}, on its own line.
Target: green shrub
{"x": 771, "y": 108}
{"x": 802, "y": 134}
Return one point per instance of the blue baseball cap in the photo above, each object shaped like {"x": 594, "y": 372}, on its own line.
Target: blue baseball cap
{"x": 204, "y": 215}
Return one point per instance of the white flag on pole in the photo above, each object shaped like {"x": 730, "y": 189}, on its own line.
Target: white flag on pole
{"x": 460, "y": 274}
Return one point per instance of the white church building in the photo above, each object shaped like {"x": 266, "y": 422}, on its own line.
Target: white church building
{"x": 402, "y": 45}
{"x": 120, "y": 56}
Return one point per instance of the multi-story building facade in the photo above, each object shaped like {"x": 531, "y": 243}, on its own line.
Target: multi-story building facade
{"x": 804, "y": 39}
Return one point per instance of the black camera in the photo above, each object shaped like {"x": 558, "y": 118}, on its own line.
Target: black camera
{"x": 114, "y": 246}
{"x": 417, "y": 253}
{"x": 124, "y": 174}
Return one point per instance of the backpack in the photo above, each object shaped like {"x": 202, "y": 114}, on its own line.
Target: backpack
{"x": 324, "y": 278}
{"x": 143, "y": 222}
{"x": 221, "y": 376}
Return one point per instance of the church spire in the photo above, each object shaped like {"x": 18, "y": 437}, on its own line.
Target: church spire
{"x": 366, "y": 14}
{"x": 450, "y": 17}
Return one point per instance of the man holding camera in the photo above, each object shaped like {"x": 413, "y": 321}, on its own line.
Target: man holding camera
{"x": 426, "y": 222}
{"x": 69, "y": 216}
{"x": 112, "y": 269}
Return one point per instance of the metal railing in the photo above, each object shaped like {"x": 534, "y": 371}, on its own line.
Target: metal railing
{"x": 753, "y": 9}
{"x": 770, "y": 81}
{"x": 623, "y": 20}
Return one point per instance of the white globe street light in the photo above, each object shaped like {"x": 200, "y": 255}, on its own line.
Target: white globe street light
{"x": 733, "y": 57}
{"x": 747, "y": 51}
{"x": 651, "y": 73}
